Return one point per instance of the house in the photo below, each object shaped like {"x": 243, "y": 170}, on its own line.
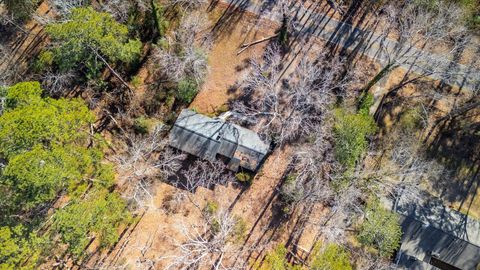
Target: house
{"x": 213, "y": 138}
{"x": 436, "y": 237}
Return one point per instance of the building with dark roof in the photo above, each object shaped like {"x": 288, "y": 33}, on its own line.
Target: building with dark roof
{"x": 436, "y": 237}
{"x": 213, "y": 138}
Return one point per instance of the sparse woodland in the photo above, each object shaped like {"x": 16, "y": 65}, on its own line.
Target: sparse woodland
{"x": 89, "y": 90}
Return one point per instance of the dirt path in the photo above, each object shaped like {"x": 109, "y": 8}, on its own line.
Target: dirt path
{"x": 226, "y": 67}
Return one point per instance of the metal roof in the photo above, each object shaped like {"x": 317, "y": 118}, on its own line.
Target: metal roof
{"x": 434, "y": 229}
{"x": 424, "y": 241}
{"x": 206, "y": 137}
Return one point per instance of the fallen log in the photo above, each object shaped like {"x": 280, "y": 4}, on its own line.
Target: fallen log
{"x": 248, "y": 45}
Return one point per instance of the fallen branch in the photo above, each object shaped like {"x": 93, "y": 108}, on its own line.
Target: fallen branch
{"x": 248, "y": 45}
{"x": 115, "y": 74}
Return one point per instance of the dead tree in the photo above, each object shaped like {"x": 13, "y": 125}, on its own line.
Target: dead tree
{"x": 58, "y": 84}
{"x": 64, "y": 7}
{"x": 186, "y": 55}
{"x": 145, "y": 160}
{"x": 188, "y": 4}
{"x": 288, "y": 108}
{"x": 418, "y": 31}
{"x": 403, "y": 170}
{"x": 203, "y": 174}
{"x": 120, "y": 9}
{"x": 208, "y": 244}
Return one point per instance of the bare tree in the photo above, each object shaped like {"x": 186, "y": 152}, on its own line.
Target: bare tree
{"x": 419, "y": 30}
{"x": 58, "y": 84}
{"x": 207, "y": 245}
{"x": 346, "y": 207}
{"x": 146, "y": 159}
{"x": 120, "y": 9}
{"x": 311, "y": 166}
{"x": 186, "y": 56}
{"x": 188, "y": 4}
{"x": 290, "y": 108}
{"x": 203, "y": 174}
{"x": 402, "y": 170}
{"x": 64, "y": 7}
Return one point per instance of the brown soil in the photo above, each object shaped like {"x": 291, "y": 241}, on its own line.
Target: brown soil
{"x": 226, "y": 65}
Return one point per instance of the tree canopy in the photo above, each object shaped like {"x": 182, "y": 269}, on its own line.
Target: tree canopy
{"x": 87, "y": 37}
{"x": 98, "y": 216}
{"x": 43, "y": 141}
{"x": 29, "y": 119}
{"x": 333, "y": 257}
{"x": 20, "y": 9}
{"x": 350, "y": 133}
{"x": 381, "y": 229}
{"x": 277, "y": 260}
{"x": 18, "y": 248}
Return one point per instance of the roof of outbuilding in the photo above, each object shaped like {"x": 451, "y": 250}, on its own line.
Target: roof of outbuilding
{"x": 216, "y": 129}
{"x": 421, "y": 240}
{"x": 433, "y": 228}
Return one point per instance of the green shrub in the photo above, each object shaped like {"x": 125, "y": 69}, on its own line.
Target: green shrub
{"x": 350, "y": 132}
{"x": 44, "y": 60}
{"x": 136, "y": 81}
{"x": 240, "y": 229}
{"x": 244, "y": 177}
{"x": 381, "y": 229}
{"x": 187, "y": 90}
{"x": 210, "y": 208}
{"x": 333, "y": 257}
{"x": 411, "y": 119}
{"x": 366, "y": 101}
{"x": 276, "y": 260}
{"x": 143, "y": 125}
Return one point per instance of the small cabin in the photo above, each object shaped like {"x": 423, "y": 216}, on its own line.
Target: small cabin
{"x": 213, "y": 138}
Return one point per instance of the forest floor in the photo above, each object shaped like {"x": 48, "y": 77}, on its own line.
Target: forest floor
{"x": 159, "y": 230}
{"x": 156, "y": 236}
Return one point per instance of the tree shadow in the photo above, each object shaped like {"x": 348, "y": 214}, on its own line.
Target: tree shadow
{"x": 230, "y": 17}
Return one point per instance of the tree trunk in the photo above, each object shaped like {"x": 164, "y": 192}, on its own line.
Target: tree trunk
{"x": 380, "y": 75}
{"x": 115, "y": 74}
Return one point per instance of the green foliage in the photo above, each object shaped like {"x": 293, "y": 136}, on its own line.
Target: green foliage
{"x": 20, "y": 9}
{"x": 136, "y": 81}
{"x": 18, "y": 248}
{"x": 350, "y": 132}
{"x": 211, "y": 208}
{"x": 143, "y": 125}
{"x": 87, "y": 31}
{"x": 244, "y": 177}
{"x": 366, "y": 101}
{"x": 411, "y": 119}
{"x": 99, "y": 215}
{"x": 333, "y": 257}
{"x": 240, "y": 230}
{"x": 471, "y": 10}
{"x": 161, "y": 23}
{"x": 29, "y": 120}
{"x": 381, "y": 229}
{"x": 44, "y": 60}
{"x": 42, "y": 139}
{"x": 276, "y": 260}
{"x": 44, "y": 143}
{"x": 187, "y": 90}
{"x": 38, "y": 175}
